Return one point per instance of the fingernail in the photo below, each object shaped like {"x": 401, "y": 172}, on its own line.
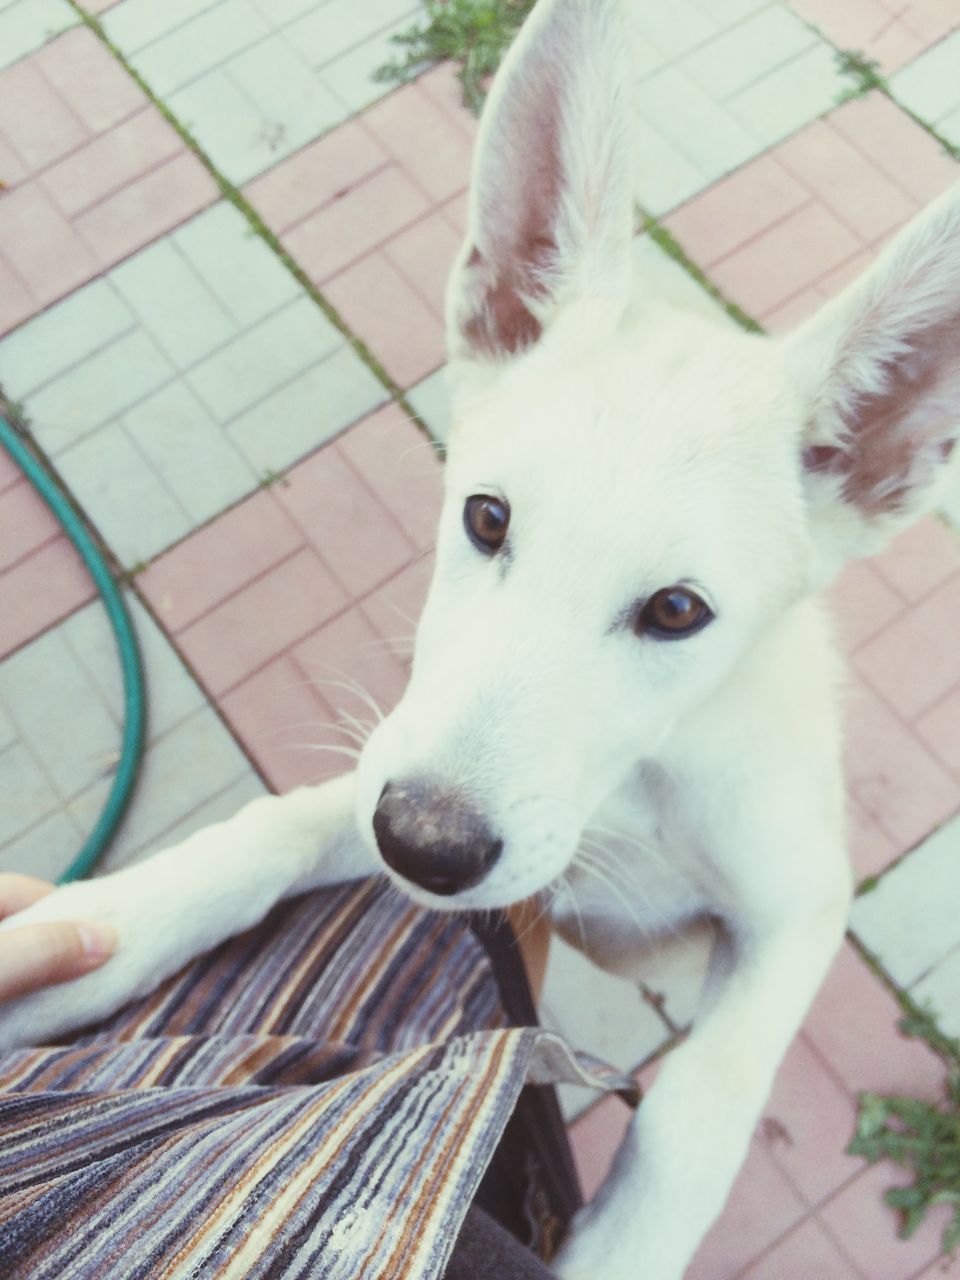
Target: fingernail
{"x": 98, "y": 940}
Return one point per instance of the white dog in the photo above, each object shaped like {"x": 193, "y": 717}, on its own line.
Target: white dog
{"x": 621, "y": 635}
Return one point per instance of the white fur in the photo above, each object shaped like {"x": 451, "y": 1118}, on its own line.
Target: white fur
{"x": 637, "y": 448}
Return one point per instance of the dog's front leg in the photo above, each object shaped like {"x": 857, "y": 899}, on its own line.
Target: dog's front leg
{"x": 672, "y": 1174}
{"x": 179, "y": 903}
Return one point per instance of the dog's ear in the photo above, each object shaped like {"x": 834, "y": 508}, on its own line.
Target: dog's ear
{"x": 551, "y": 214}
{"x": 879, "y": 368}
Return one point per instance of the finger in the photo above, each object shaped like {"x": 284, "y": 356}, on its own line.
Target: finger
{"x": 18, "y": 892}
{"x": 39, "y": 955}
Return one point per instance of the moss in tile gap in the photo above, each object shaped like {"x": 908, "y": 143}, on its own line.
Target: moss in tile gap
{"x": 256, "y": 224}
{"x": 863, "y": 71}
{"x": 270, "y": 478}
{"x": 473, "y": 33}
{"x": 661, "y": 236}
{"x": 922, "y": 1137}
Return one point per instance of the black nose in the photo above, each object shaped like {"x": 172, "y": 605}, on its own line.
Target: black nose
{"x": 432, "y": 836}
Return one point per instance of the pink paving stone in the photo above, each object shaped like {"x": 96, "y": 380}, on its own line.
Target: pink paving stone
{"x": 425, "y": 254}
{"x": 367, "y": 214}
{"x": 897, "y": 46}
{"x": 920, "y": 559}
{"x": 36, "y": 120}
{"x": 853, "y": 1026}
{"x": 210, "y": 565}
{"x": 932, "y": 19}
{"x": 379, "y": 305}
{"x": 15, "y": 301}
{"x": 807, "y": 1253}
{"x": 395, "y": 608}
{"x": 862, "y": 603}
{"x": 457, "y": 213}
{"x": 25, "y": 523}
{"x": 401, "y": 466}
{"x": 769, "y": 269}
{"x": 262, "y": 620}
{"x": 423, "y": 137}
{"x": 39, "y": 591}
{"x": 793, "y": 312}
{"x": 279, "y": 718}
{"x": 312, "y": 177}
{"x": 897, "y": 145}
{"x": 146, "y": 208}
{"x": 938, "y": 729}
{"x": 90, "y": 79}
{"x": 443, "y": 87}
{"x": 12, "y": 167}
{"x": 871, "y": 849}
{"x": 736, "y": 209}
{"x": 915, "y": 661}
{"x": 807, "y": 1123}
{"x": 594, "y": 1137}
{"x": 762, "y": 1206}
{"x": 50, "y": 257}
{"x": 865, "y": 25}
{"x": 867, "y": 1227}
{"x": 942, "y": 1269}
{"x": 10, "y": 473}
{"x": 895, "y": 779}
{"x": 356, "y": 535}
{"x": 834, "y": 282}
{"x": 110, "y": 161}
{"x": 859, "y": 194}
{"x": 350, "y": 651}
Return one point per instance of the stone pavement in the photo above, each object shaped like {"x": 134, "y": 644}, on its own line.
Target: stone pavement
{"x": 217, "y": 283}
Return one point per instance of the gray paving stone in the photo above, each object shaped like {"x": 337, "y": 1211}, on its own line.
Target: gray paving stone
{"x": 350, "y": 76}
{"x": 186, "y": 53}
{"x": 307, "y": 412}
{"x": 46, "y": 849}
{"x": 173, "y": 303}
{"x": 28, "y": 793}
{"x": 136, "y": 23}
{"x": 263, "y": 358}
{"x": 910, "y": 920}
{"x": 930, "y": 85}
{"x": 330, "y": 30}
{"x": 62, "y": 337}
{"x": 940, "y": 991}
{"x": 109, "y": 381}
{"x": 125, "y": 498}
{"x": 217, "y": 809}
{"x": 28, "y": 24}
{"x": 431, "y": 400}
{"x": 8, "y": 730}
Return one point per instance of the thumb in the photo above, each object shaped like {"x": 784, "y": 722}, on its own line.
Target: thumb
{"x": 39, "y": 955}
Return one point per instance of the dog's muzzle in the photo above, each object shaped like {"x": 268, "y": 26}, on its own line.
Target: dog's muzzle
{"x": 432, "y": 836}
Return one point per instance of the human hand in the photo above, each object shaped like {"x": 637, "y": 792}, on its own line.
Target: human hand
{"x": 40, "y": 955}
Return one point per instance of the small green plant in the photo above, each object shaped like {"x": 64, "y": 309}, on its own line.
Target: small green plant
{"x": 474, "y": 33}
{"x": 923, "y": 1137}
{"x": 863, "y": 71}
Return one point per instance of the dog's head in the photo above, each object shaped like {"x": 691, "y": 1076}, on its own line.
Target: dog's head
{"x": 633, "y": 495}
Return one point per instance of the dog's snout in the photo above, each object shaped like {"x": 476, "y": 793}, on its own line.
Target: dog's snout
{"x": 432, "y": 836}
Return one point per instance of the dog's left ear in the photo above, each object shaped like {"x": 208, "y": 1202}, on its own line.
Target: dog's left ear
{"x": 551, "y": 214}
{"x": 879, "y": 369}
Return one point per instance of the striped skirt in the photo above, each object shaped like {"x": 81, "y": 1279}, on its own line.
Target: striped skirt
{"x": 317, "y": 1098}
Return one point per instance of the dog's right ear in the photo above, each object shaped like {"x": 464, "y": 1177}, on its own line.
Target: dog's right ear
{"x": 551, "y": 215}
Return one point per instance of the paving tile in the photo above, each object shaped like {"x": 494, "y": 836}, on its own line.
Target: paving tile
{"x": 867, "y": 1227}
{"x": 28, "y": 793}
{"x": 62, "y": 337}
{"x": 355, "y": 534}
{"x": 939, "y": 990}
{"x": 106, "y": 383}
{"x": 136, "y": 23}
{"x": 798, "y": 92}
{"x": 899, "y": 784}
{"x": 431, "y": 403}
{"x": 200, "y": 44}
{"x": 433, "y": 149}
{"x": 379, "y": 305}
{"x": 46, "y": 849}
{"x": 862, "y": 603}
{"x": 807, "y": 1124}
{"x": 425, "y": 253}
{"x": 929, "y": 85}
{"x": 853, "y": 1026}
{"x": 131, "y": 507}
{"x": 937, "y": 728}
{"x": 324, "y": 170}
{"x": 36, "y": 120}
{"x": 331, "y": 29}
{"x": 99, "y": 90}
{"x": 665, "y": 177}
{"x": 749, "y": 51}
{"x": 25, "y": 25}
{"x": 16, "y": 304}
{"x": 913, "y": 662}
{"x": 761, "y": 1208}
{"x": 869, "y": 26}
{"x": 225, "y": 804}
{"x": 39, "y": 591}
{"x": 307, "y": 412}
{"x": 395, "y": 607}
{"x": 594, "y": 1137}
{"x": 227, "y": 126}
{"x": 10, "y": 473}
{"x": 263, "y": 358}
{"x": 688, "y": 118}
{"x": 608, "y": 1018}
{"x": 216, "y": 561}
{"x": 189, "y": 452}
{"x": 442, "y": 84}
{"x": 805, "y": 1252}
{"x": 287, "y": 603}
{"x": 281, "y": 720}
{"x": 399, "y": 464}
{"x": 871, "y": 848}
{"x": 909, "y": 920}
{"x": 26, "y": 523}
{"x": 343, "y": 231}
{"x": 51, "y": 258}
{"x": 943, "y": 1269}
{"x": 921, "y": 558}
{"x": 350, "y": 77}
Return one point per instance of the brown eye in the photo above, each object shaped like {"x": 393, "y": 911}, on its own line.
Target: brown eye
{"x": 486, "y": 520}
{"x": 672, "y": 613}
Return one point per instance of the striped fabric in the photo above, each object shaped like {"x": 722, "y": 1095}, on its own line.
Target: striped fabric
{"x": 316, "y": 1098}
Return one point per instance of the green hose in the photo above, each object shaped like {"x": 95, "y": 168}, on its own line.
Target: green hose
{"x": 133, "y": 686}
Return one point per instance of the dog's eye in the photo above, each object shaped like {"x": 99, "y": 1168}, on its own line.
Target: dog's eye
{"x": 672, "y": 613}
{"x": 486, "y": 520}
